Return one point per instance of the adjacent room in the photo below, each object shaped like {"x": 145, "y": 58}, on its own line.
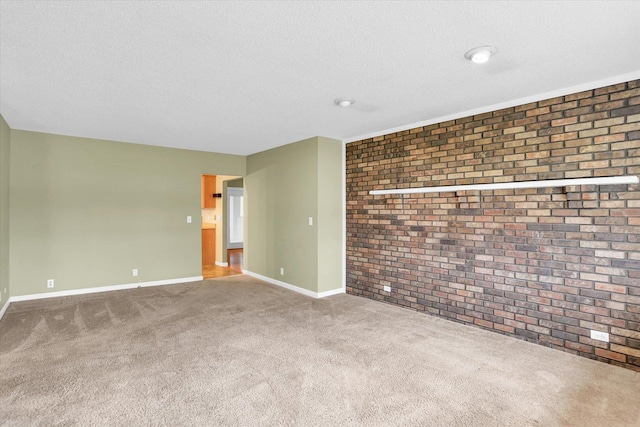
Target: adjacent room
{"x": 320, "y": 213}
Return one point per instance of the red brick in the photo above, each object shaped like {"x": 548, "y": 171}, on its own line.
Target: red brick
{"x": 611, "y": 288}
{"x": 545, "y": 265}
{"x": 611, "y": 355}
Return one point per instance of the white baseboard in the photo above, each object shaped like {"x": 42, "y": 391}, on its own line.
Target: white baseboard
{"x": 293, "y": 287}
{"x": 104, "y": 289}
{"x": 4, "y": 308}
{"x": 162, "y": 283}
{"x": 222, "y": 264}
{"x": 331, "y": 292}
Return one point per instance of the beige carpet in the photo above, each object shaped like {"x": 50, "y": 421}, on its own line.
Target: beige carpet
{"x": 236, "y": 351}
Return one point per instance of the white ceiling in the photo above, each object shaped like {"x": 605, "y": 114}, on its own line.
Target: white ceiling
{"x": 242, "y": 77}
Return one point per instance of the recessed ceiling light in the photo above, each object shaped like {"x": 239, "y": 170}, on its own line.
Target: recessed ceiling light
{"x": 480, "y": 54}
{"x": 341, "y": 102}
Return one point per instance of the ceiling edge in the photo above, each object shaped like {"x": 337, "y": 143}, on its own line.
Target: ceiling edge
{"x": 635, "y": 75}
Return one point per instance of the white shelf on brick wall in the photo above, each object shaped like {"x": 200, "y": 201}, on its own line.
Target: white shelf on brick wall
{"x": 629, "y": 179}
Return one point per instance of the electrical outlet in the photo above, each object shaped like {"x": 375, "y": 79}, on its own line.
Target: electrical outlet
{"x": 600, "y": 336}
{"x": 135, "y": 272}
{"x": 189, "y": 219}
{"x": 281, "y": 271}
{"x": 387, "y": 288}
{"x": 50, "y": 283}
{"x": 310, "y": 220}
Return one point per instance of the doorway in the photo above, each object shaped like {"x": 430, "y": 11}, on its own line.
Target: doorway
{"x": 215, "y": 226}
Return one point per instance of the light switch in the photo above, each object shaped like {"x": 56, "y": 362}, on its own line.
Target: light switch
{"x": 189, "y": 219}
{"x": 310, "y": 220}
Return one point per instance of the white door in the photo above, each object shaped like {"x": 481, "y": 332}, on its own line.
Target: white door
{"x": 235, "y": 201}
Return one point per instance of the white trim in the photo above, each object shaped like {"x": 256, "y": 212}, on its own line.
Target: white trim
{"x": 105, "y": 289}
{"x": 281, "y": 284}
{"x": 329, "y": 293}
{"x": 293, "y": 287}
{"x": 344, "y": 217}
{"x": 507, "y": 104}
{"x": 629, "y": 179}
{"x": 222, "y": 264}
{"x": 4, "y": 308}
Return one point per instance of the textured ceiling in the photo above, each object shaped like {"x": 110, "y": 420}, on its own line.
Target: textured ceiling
{"x": 242, "y": 77}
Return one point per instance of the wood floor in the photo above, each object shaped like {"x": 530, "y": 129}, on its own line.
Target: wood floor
{"x": 234, "y": 259}
{"x": 213, "y": 271}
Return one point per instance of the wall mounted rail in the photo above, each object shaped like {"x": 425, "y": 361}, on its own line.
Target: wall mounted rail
{"x": 612, "y": 180}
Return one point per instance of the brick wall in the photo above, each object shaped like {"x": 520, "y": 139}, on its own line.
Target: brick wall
{"x": 545, "y": 265}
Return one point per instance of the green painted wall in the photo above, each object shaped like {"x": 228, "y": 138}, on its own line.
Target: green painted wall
{"x": 86, "y": 212}
{"x": 5, "y": 137}
{"x": 283, "y": 189}
{"x": 235, "y": 183}
{"x": 280, "y": 196}
{"x": 330, "y": 216}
